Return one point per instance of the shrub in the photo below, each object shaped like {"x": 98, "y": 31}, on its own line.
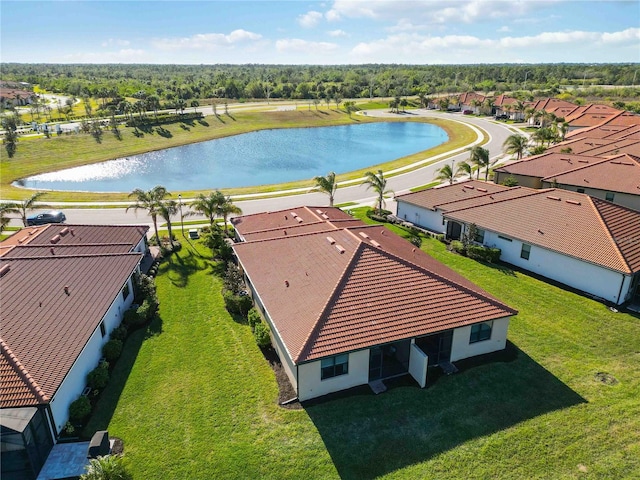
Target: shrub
{"x": 416, "y": 240}
{"x": 79, "y": 409}
{"x": 440, "y": 237}
{"x": 131, "y": 320}
{"x": 485, "y": 254}
{"x": 510, "y": 181}
{"x": 112, "y": 350}
{"x": 261, "y": 334}
{"x": 458, "y": 247}
{"x": 143, "y": 287}
{"x": 120, "y": 332}
{"x": 98, "y": 378}
{"x": 240, "y": 304}
{"x": 147, "y": 310}
{"x": 253, "y": 317}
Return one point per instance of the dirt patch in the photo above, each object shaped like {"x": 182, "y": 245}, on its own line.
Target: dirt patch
{"x": 285, "y": 389}
{"x": 606, "y": 378}
{"x": 118, "y": 446}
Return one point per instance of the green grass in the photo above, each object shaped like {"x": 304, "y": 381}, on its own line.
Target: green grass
{"x": 425, "y": 187}
{"x": 66, "y": 151}
{"x": 199, "y": 400}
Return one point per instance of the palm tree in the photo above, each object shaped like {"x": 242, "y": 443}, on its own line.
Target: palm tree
{"x": 464, "y": 167}
{"x": 5, "y": 210}
{"x": 166, "y": 209}
{"x": 227, "y": 208}
{"x": 111, "y": 467}
{"x": 480, "y": 157}
{"x": 209, "y": 205}
{"x": 446, "y": 173}
{"x": 378, "y": 183}
{"x": 516, "y": 144}
{"x": 27, "y": 205}
{"x": 150, "y": 201}
{"x": 327, "y": 185}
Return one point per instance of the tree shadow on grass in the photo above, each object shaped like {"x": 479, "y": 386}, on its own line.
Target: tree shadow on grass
{"x": 108, "y": 400}
{"x": 180, "y": 266}
{"x": 369, "y": 436}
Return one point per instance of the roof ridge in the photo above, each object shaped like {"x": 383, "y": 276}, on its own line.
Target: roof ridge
{"x": 23, "y": 373}
{"x": 580, "y": 167}
{"x": 284, "y": 227}
{"x": 74, "y": 245}
{"x": 595, "y": 202}
{"x": 80, "y": 255}
{"x": 532, "y": 193}
{"x": 303, "y": 351}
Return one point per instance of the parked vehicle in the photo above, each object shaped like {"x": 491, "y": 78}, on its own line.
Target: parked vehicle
{"x": 504, "y": 116}
{"x": 467, "y": 112}
{"x": 194, "y": 234}
{"x": 51, "y": 216}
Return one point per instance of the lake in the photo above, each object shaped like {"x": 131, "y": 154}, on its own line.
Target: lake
{"x": 250, "y": 159}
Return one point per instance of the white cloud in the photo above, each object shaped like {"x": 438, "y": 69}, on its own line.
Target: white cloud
{"x": 629, "y": 35}
{"x": 206, "y": 41}
{"x": 117, "y": 42}
{"x": 296, "y": 45}
{"x": 337, "y": 33}
{"x": 309, "y": 19}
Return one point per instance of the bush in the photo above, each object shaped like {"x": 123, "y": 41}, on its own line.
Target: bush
{"x": 79, "y": 409}
{"x": 440, "y": 237}
{"x": 485, "y": 254}
{"x": 416, "y": 240}
{"x": 131, "y": 320}
{"x": 458, "y": 247}
{"x": 253, "y": 317}
{"x": 144, "y": 287}
{"x": 147, "y": 310}
{"x": 261, "y": 334}
{"x": 112, "y": 350}
{"x": 510, "y": 181}
{"x": 240, "y": 304}
{"x": 120, "y": 333}
{"x": 98, "y": 378}
{"x": 378, "y": 215}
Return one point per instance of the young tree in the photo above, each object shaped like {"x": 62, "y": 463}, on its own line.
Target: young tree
{"x": 27, "y": 205}
{"x": 378, "y": 183}
{"x": 480, "y": 157}
{"x": 464, "y": 167}
{"x": 516, "y": 145}
{"x": 167, "y": 208}
{"x": 111, "y": 467}
{"x": 10, "y": 126}
{"x": 150, "y": 201}
{"x": 327, "y": 185}
{"x": 446, "y": 173}
{"x": 209, "y": 205}
{"x": 227, "y": 208}
{"x": 5, "y": 210}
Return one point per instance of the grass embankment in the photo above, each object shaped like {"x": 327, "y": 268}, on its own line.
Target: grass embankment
{"x": 200, "y": 400}
{"x": 66, "y": 151}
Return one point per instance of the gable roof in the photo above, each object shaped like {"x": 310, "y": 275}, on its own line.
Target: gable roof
{"x": 616, "y": 174}
{"x": 567, "y": 222}
{"x": 547, "y": 164}
{"x": 43, "y": 329}
{"x": 357, "y": 287}
{"x": 550, "y": 104}
{"x": 601, "y": 147}
{"x": 437, "y": 197}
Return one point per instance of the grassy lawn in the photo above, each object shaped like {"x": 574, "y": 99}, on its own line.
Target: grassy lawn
{"x": 66, "y": 151}
{"x": 194, "y": 397}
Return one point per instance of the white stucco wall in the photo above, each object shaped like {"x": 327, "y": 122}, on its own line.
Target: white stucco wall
{"x": 75, "y": 380}
{"x": 142, "y": 246}
{"x": 310, "y": 385}
{"x": 461, "y": 348}
{"x": 422, "y": 217}
{"x": 287, "y": 363}
{"x": 590, "y": 278}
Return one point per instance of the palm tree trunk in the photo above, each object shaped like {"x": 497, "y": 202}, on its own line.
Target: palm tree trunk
{"x": 154, "y": 217}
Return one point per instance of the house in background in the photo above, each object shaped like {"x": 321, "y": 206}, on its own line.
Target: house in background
{"x": 350, "y": 304}
{"x": 64, "y": 289}
{"x": 581, "y": 241}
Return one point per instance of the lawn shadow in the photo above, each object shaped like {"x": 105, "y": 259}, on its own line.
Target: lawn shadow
{"x": 219, "y": 117}
{"x": 108, "y": 400}
{"x": 369, "y": 436}
{"x": 180, "y": 266}
{"x": 204, "y": 123}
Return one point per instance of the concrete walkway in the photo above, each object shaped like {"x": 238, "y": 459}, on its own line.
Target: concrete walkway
{"x": 65, "y": 460}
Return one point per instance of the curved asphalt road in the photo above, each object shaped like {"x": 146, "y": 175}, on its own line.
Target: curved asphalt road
{"x": 354, "y": 192}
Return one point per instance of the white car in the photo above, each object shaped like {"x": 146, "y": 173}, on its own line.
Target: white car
{"x": 194, "y": 234}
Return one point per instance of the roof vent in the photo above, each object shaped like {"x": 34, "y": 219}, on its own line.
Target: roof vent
{"x": 4, "y": 270}
{"x": 482, "y": 189}
{"x": 286, "y": 218}
{"x": 64, "y": 231}
{"x": 375, "y": 244}
{"x": 574, "y": 202}
{"x": 325, "y": 216}
{"x": 540, "y": 232}
{"x": 299, "y": 220}
{"x": 72, "y": 233}
{"x": 331, "y": 240}
{"x": 286, "y": 283}
{"x": 55, "y": 239}
{"x": 318, "y": 211}
{"x": 294, "y": 214}
{"x": 340, "y": 248}
{"x": 467, "y": 186}
{"x": 551, "y": 197}
{"x": 284, "y": 231}
{"x": 66, "y": 289}
{"x": 583, "y": 161}
{"x": 363, "y": 235}
{"x": 53, "y": 251}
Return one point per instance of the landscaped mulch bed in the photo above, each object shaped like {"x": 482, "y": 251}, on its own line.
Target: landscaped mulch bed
{"x": 285, "y": 389}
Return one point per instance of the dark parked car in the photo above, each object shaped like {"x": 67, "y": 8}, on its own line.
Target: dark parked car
{"x": 52, "y": 216}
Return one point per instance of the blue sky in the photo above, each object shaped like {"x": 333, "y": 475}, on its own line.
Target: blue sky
{"x": 330, "y": 32}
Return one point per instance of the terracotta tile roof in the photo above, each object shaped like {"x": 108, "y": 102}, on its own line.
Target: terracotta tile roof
{"x": 617, "y": 174}
{"x": 547, "y": 164}
{"x": 18, "y": 387}
{"x": 303, "y": 228}
{"x": 44, "y": 328}
{"x": 468, "y": 97}
{"x": 358, "y": 287}
{"x": 599, "y": 146}
{"x": 606, "y": 131}
{"x": 567, "y": 222}
{"x": 285, "y": 219}
{"x": 551, "y": 103}
{"x": 437, "y": 197}
{"x": 30, "y": 251}
{"x": 506, "y": 194}
{"x": 504, "y": 100}
{"x": 69, "y": 234}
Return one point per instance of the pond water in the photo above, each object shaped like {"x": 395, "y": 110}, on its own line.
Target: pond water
{"x": 257, "y": 158}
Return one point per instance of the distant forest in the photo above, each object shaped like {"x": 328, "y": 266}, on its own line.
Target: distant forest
{"x": 173, "y": 83}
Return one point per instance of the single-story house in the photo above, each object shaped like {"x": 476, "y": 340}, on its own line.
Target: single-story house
{"x": 356, "y": 304}
{"x": 581, "y": 241}
{"x": 64, "y": 289}
{"x": 424, "y": 209}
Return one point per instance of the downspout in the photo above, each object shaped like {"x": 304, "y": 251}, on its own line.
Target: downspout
{"x": 620, "y": 291}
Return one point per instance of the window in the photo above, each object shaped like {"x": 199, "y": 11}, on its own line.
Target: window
{"x": 505, "y": 238}
{"x": 581, "y": 190}
{"x": 125, "y": 291}
{"x": 526, "y": 251}
{"x": 610, "y": 196}
{"x": 103, "y": 331}
{"x": 479, "y": 236}
{"x": 334, "y": 366}
{"x": 480, "y": 332}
